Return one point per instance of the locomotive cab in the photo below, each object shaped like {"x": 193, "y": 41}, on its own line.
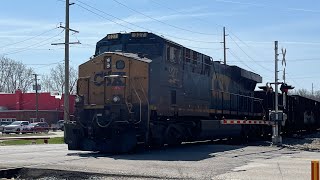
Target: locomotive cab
{"x": 111, "y": 103}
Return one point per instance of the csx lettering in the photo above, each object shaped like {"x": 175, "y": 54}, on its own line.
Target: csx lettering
{"x": 100, "y": 77}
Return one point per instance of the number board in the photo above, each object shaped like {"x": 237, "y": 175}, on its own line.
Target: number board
{"x": 139, "y": 34}
{"x": 112, "y": 36}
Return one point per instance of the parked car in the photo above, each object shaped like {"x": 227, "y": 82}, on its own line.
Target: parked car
{"x": 3, "y": 124}
{"x": 15, "y": 127}
{"x": 37, "y": 127}
{"x": 61, "y": 125}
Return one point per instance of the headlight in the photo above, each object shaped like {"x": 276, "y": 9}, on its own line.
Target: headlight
{"x": 78, "y": 99}
{"x": 120, "y": 64}
{"x": 116, "y": 99}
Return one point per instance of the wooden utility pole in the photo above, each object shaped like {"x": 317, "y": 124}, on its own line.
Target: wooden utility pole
{"x": 36, "y": 88}
{"x": 66, "y": 115}
{"x": 66, "y": 66}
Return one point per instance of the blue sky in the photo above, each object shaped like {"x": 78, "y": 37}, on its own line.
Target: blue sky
{"x": 252, "y": 25}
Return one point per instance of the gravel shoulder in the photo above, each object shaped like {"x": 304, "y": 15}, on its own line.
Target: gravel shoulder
{"x": 309, "y": 142}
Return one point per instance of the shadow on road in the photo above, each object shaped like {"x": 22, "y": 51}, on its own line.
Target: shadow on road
{"x": 185, "y": 152}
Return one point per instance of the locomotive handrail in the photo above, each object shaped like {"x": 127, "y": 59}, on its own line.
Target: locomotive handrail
{"x": 134, "y": 88}
{"x": 145, "y": 96}
{"x": 257, "y": 99}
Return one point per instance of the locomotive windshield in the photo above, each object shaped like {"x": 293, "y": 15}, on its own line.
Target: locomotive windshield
{"x": 148, "y": 45}
{"x": 111, "y": 48}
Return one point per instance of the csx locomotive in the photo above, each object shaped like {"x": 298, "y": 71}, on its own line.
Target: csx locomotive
{"x": 140, "y": 88}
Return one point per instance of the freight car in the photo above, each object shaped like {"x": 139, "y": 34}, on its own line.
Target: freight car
{"x": 143, "y": 88}
{"x": 303, "y": 114}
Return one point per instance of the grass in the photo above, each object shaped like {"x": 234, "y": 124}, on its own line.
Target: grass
{"x": 55, "y": 140}
{"x": 28, "y": 134}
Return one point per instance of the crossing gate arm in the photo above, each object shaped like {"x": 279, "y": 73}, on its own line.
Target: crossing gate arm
{"x": 244, "y": 122}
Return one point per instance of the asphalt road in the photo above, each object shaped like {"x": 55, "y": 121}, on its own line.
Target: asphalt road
{"x": 200, "y": 161}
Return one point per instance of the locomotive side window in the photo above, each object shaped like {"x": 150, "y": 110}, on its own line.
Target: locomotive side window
{"x": 168, "y": 53}
{"x": 174, "y": 54}
{"x": 173, "y": 97}
{"x": 120, "y": 64}
{"x": 195, "y": 57}
{"x": 188, "y": 55}
{"x": 207, "y": 65}
{"x": 177, "y": 55}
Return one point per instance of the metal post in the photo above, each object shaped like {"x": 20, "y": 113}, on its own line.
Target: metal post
{"x": 36, "y": 88}
{"x": 276, "y": 138}
{"x": 284, "y": 94}
{"x": 66, "y": 79}
{"x": 224, "y": 46}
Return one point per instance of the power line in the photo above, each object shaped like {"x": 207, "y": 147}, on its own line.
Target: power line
{"x": 265, "y": 5}
{"x": 306, "y": 77}
{"x": 29, "y": 38}
{"x": 101, "y": 15}
{"x": 179, "y": 12}
{"x": 43, "y": 64}
{"x": 288, "y": 60}
{"x": 250, "y": 56}
{"x": 46, "y": 49}
{"x": 49, "y": 64}
{"x": 237, "y": 57}
{"x": 255, "y": 42}
{"x": 35, "y": 45}
{"x": 147, "y": 29}
{"x": 162, "y": 22}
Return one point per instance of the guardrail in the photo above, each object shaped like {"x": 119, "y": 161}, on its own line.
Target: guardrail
{"x": 33, "y": 139}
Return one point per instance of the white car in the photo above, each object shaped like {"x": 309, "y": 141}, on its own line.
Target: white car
{"x": 15, "y": 127}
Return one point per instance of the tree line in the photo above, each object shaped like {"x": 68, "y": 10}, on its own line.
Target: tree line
{"x": 305, "y": 93}
{"x": 17, "y": 75}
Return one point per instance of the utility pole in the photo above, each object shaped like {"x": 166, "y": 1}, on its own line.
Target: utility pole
{"x": 66, "y": 63}
{"x": 276, "y": 138}
{"x": 312, "y": 89}
{"x": 66, "y": 66}
{"x": 224, "y": 46}
{"x": 36, "y": 88}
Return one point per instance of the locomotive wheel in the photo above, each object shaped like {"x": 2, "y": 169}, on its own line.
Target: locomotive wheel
{"x": 244, "y": 134}
{"x": 157, "y": 136}
{"x": 157, "y": 143}
{"x": 174, "y": 135}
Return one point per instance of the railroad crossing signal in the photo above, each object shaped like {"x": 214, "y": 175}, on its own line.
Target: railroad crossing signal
{"x": 284, "y": 52}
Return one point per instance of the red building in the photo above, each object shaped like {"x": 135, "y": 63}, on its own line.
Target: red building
{"x": 22, "y": 106}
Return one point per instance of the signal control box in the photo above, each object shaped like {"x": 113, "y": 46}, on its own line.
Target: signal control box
{"x": 278, "y": 117}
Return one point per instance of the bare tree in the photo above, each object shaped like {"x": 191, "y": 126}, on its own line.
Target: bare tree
{"x": 307, "y": 94}
{"x": 302, "y": 92}
{"x": 54, "y": 81}
{"x": 317, "y": 95}
{"x": 14, "y": 75}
